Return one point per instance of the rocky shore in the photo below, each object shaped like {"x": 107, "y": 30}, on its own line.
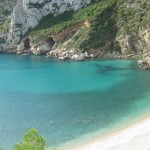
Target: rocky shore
{"x": 144, "y": 64}
{"x": 81, "y": 39}
{"x": 54, "y": 50}
{"x": 63, "y": 54}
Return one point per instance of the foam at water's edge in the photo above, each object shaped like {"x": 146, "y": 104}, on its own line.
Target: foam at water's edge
{"x": 135, "y": 123}
{"x": 129, "y": 138}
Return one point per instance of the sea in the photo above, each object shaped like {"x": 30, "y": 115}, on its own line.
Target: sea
{"x": 68, "y": 102}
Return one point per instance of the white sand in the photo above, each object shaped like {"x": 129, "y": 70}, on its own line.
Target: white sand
{"x": 136, "y": 137}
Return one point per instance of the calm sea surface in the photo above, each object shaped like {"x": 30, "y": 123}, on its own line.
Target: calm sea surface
{"x": 67, "y": 100}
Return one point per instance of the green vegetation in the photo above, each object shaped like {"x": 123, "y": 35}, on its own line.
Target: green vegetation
{"x": 50, "y": 24}
{"x": 131, "y": 19}
{"x": 2, "y": 40}
{"x": 7, "y": 6}
{"x": 109, "y": 19}
{"x": 31, "y": 141}
{"x": 98, "y": 34}
{"x": 5, "y": 26}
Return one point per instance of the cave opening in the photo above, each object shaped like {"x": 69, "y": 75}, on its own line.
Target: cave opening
{"x": 50, "y": 42}
{"x": 27, "y": 43}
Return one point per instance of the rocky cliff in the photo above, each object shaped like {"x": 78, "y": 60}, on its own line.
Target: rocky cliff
{"x": 6, "y": 8}
{"x": 69, "y": 29}
{"x": 28, "y": 13}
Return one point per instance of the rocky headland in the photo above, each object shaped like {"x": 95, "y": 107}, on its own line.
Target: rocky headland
{"x": 78, "y": 30}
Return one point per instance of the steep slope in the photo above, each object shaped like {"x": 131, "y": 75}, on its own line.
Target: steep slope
{"x": 115, "y": 28}
{"x": 104, "y": 28}
{"x": 28, "y": 13}
{"x": 6, "y": 7}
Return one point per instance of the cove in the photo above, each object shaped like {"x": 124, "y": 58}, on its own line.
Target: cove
{"x": 65, "y": 100}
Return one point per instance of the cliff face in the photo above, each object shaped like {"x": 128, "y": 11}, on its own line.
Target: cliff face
{"x": 133, "y": 35}
{"x": 6, "y": 7}
{"x": 28, "y": 13}
{"x": 135, "y": 43}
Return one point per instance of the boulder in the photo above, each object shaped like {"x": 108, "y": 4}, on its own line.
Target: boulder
{"x": 86, "y": 55}
{"x": 78, "y": 57}
{"x": 144, "y": 64}
{"x": 41, "y": 49}
{"x": 62, "y": 58}
{"x": 92, "y": 55}
{"x": 20, "y": 48}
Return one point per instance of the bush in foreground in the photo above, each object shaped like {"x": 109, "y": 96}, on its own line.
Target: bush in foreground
{"x": 31, "y": 141}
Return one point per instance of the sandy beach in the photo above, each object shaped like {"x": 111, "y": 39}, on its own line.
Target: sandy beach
{"x": 135, "y": 137}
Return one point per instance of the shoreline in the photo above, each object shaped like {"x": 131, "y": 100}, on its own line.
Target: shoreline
{"x": 131, "y": 137}
{"x": 84, "y": 55}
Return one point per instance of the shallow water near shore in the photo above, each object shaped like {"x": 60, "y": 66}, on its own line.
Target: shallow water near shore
{"x": 67, "y": 100}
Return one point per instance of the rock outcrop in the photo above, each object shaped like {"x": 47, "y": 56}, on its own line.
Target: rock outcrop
{"x": 144, "y": 64}
{"x": 138, "y": 43}
{"x": 71, "y": 54}
{"x": 41, "y": 49}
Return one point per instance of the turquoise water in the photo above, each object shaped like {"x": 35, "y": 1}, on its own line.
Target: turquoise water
{"x": 67, "y": 100}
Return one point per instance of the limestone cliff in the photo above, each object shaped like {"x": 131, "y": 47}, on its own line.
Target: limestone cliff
{"x": 78, "y": 29}
{"x": 6, "y": 8}
{"x": 28, "y": 13}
